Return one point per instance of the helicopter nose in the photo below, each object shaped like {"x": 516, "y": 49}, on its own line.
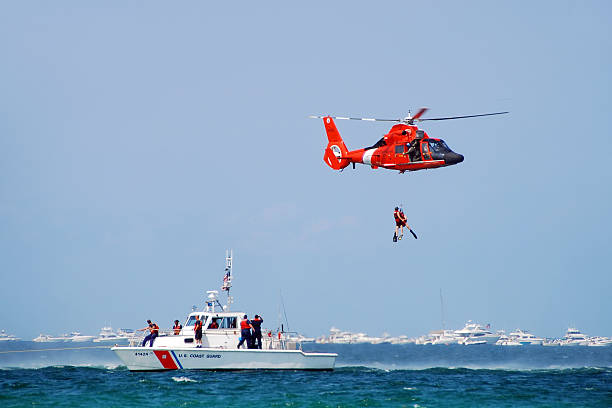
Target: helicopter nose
{"x": 453, "y": 158}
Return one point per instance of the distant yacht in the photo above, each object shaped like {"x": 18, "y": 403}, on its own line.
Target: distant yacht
{"x": 336, "y": 336}
{"x": 47, "y": 338}
{"x": 300, "y": 338}
{"x": 108, "y": 335}
{"x": 574, "y": 337}
{"x": 444, "y": 337}
{"x": 78, "y": 337}
{"x": 599, "y": 342}
{"x": 471, "y": 341}
{"x": 403, "y": 339}
{"x": 7, "y": 337}
{"x": 551, "y": 342}
{"x": 507, "y": 341}
{"x": 526, "y": 338}
{"x": 475, "y": 332}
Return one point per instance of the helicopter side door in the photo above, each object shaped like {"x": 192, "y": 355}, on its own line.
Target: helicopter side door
{"x": 426, "y": 154}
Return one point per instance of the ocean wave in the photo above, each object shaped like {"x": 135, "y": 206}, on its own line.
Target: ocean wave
{"x": 183, "y": 379}
{"x": 450, "y": 370}
{"x": 66, "y": 367}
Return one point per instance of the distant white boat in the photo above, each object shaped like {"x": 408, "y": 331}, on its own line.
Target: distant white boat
{"x": 108, "y": 335}
{"x": 551, "y": 342}
{"x": 471, "y": 341}
{"x": 403, "y": 339}
{"x": 78, "y": 337}
{"x": 336, "y": 336}
{"x": 300, "y": 338}
{"x": 599, "y": 342}
{"x": 573, "y": 337}
{"x": 477, "y": 332}
{"x": 526, "y": 338}
{"x": 7, "y": 337}
{"x": 47, "y": 338}
{"x": 507, "y": 341}
{"x": 445, "y": 337}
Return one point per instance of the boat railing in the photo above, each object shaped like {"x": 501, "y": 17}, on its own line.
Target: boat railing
{"x": 138, "y": 337}
{"x": 269, "y": 341}
{"x": 276, "y": 342}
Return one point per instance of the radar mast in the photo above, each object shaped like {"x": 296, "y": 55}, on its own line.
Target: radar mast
{"x": 227, "y": 278}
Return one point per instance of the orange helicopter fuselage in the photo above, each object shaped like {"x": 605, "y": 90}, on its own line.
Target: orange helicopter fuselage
{"x": 404, "y": 148}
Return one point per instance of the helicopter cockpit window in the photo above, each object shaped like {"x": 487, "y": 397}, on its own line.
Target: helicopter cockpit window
{"x": 399, "y": 149}
{"x": 438, "y": 146}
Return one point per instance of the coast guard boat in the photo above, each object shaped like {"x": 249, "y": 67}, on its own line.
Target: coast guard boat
{"x": 219, "y": 344}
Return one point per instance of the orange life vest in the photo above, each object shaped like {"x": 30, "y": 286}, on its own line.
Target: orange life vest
{"x": 155, "y": 328}
{"x": 197, "y": 325}
{"x": 396, "y": 215}
{"x": 244, "y": 324}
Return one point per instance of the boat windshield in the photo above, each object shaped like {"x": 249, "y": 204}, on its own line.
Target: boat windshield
{"x": 228, "y": 323}
{"x": 222, "y": 322}
{"x": 191, "y": 321}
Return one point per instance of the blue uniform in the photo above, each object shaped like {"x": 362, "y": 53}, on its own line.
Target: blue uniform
{"x": 151, "y": 336}
{"x": 256, "y": 323}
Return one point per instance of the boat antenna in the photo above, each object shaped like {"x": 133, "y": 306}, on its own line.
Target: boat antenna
{"x": 227, "y": 278}
{"x": 442, "y": 310}
{"x": 284, "y": 311}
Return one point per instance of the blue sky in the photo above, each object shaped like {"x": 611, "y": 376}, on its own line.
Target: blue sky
{"x": 139, "y": 140}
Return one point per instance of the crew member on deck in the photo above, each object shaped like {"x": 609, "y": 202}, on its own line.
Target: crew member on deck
{"x": 256, "y": 323}
{"x": 197, "y": 328}
{"x": 245, "y": 332}
{"x": 153, "y": 333}
{"x": 177, "y": 327}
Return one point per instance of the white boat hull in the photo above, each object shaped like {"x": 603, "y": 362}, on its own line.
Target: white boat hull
{"x": 159, "y": 359}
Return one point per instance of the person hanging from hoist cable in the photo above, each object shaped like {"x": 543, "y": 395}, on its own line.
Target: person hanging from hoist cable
{"x": 400, "y": 223}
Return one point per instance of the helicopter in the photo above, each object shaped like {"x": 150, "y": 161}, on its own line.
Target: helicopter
{"x": 404, "y": 148}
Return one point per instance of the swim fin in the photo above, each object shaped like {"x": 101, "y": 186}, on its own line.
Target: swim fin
{"x": 413, "y": 234}
{"x": 394, "y": 238}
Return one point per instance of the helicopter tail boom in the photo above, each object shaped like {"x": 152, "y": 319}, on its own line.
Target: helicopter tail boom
{"x": 336, "y": 149}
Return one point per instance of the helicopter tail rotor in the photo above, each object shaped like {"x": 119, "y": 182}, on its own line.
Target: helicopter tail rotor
{"x": 336, "y": 150}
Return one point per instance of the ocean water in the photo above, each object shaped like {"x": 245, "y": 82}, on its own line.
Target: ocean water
{"x": 365, "y": 376}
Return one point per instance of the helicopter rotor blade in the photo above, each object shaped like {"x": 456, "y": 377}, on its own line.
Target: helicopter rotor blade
{"x": 420, "y": 113}
{"x": 409, "y": 120}
{"x": 461, "y": 117}
{"x": 347, "y": 118}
